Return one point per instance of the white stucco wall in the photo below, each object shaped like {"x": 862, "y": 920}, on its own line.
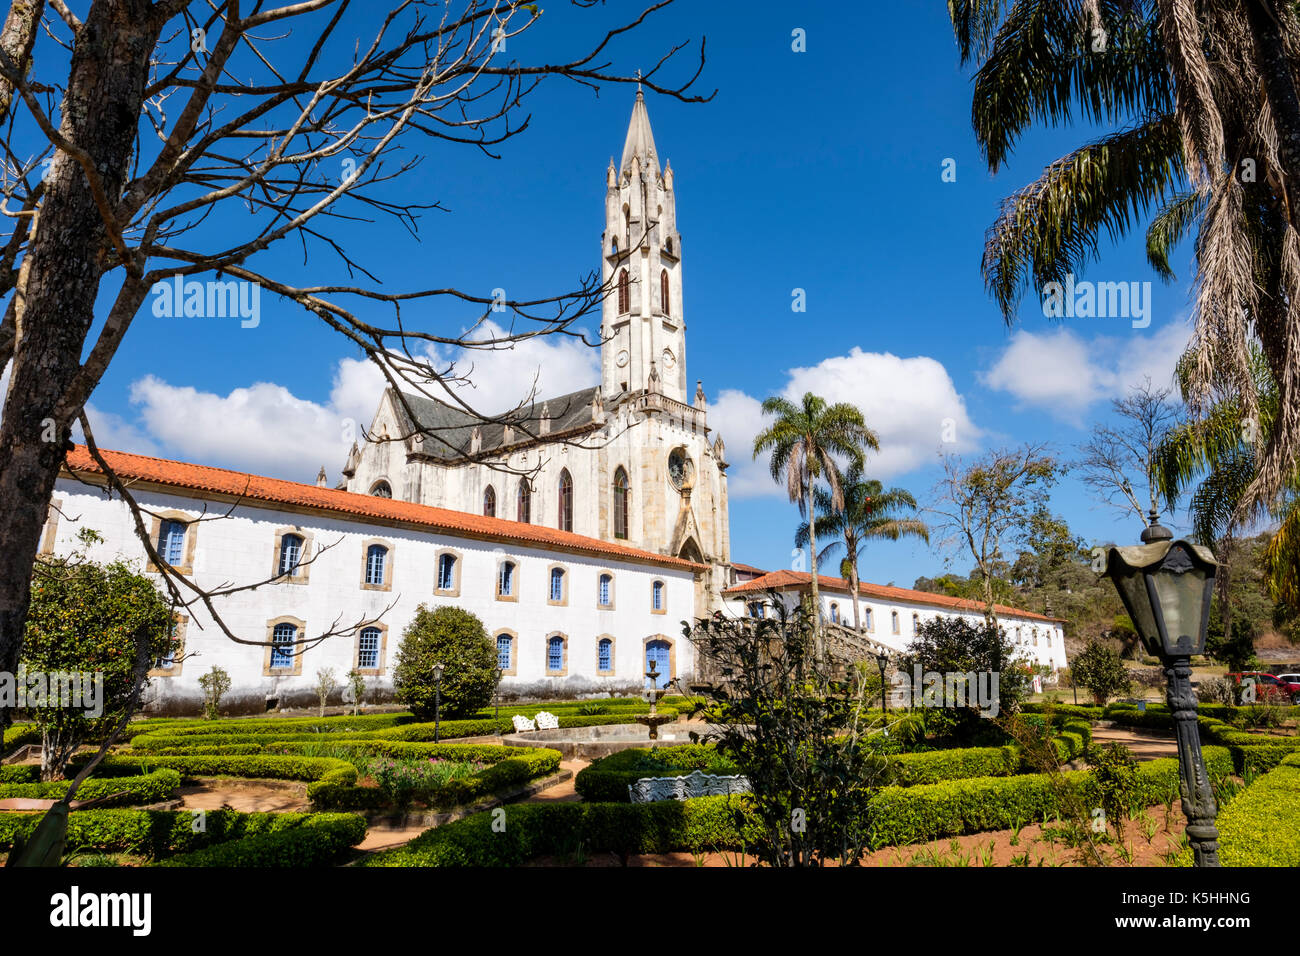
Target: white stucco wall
{"x": 240, "y": 549}
{"x": 1049, "y": 649}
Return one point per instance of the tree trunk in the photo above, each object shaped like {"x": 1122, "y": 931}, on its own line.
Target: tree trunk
{"x": 853, "y": 587}
{"x": 1283, "y": 100}
{"x": 65, "y": 261}
{"x": 812, "y": 563}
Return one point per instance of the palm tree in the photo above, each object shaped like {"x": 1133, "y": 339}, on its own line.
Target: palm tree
{"x": 1201, "y": 97}
{"x": 870, "y": 513}
{"x": 1219, "y": 456}
{"x": 804, "y": 441}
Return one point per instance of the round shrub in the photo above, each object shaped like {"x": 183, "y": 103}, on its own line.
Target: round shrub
{"x": 456, "y": 639}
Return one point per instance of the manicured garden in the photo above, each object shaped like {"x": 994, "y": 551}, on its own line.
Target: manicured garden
{"x": 359, "y": 767}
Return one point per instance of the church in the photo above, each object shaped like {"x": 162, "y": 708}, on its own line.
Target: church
{"x": 630, "y": 460}
{"x": 584, "y": 529}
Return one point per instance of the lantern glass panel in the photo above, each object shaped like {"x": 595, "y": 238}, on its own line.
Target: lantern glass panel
{"x": 1133, "y": 592}
{"x": 1181, "y": 602}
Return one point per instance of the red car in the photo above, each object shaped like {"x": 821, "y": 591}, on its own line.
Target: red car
{"x": 1268, "y": 686}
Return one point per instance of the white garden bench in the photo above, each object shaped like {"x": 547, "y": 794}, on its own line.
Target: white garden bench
{"x": 547, "y": 721}
{"x": 522, "y": 724}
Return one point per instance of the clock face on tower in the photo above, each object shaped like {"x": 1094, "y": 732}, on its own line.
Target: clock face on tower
{"x": 680, "y": 468}
{"x": 669, "y": 359}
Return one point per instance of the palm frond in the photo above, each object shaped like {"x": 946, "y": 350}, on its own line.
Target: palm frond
{"x": 1053, "y": 227}
{"x": 1169, "y": 226}
{"x": 1045, "y": 63}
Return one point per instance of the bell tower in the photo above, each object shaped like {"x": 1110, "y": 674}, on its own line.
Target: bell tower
{"x": 642, "y": 325}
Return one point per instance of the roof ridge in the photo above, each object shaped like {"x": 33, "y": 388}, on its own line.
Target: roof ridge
{"x": 336, "y": 500}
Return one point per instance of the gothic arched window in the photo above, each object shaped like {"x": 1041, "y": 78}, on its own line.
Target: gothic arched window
{"x": 621, "y": 494}
{"x": 382, "y": 489}
{"x": 524, "y": 502}
{"x": 624, "y": 292}
{"x": 490, "y": 502}
{"x": 566, "y": 501}
{"x": 663, "y": 292}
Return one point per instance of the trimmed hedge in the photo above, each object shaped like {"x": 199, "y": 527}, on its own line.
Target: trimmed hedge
{"x": 189, "y": 739}
{"x": 511, "y": 767}
{"x": 19, "y": 735}
{"x": 900, "y": 815}
{"x": 161, "y": 784}
{"x": 1087, "y": 712}
{"x": 1251, "y": 753}
{"x": 324, "y": 769}
{"x": 151, "y": 833}
{"x": 607, "y": 779}
{"x": 538, "y": 829}
{"x": 934, "y": 766}
{"x": 322, "y": 840}
{"x": 903, "y": 815}
{"x": 1261, "y": 826}
{"x": 20, "y": 773}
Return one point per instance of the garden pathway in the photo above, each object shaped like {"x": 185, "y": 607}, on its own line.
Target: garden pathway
{"x": 1145, "y": 746}
{"x": 248, "y": 796}
{"x": 564, "y": 791}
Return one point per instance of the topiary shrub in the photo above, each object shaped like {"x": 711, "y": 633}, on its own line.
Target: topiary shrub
{"x": 456, "y": 639}
{"x": 1101, "y": 671}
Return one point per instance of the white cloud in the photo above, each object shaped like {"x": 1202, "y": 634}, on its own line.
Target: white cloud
{"x": 265, "y": 428}
{"x": 110, "y": 430}
{"x": 1064, "y": 374}
{"x": 909, "y": 402}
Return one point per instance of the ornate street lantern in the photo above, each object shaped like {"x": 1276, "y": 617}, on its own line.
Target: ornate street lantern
{"x": 882, "y": 661}
{"x": 438, "y": 668}
{"x": 1166, "y": 587}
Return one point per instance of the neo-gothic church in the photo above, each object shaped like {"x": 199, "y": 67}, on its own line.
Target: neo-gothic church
{"x": 631, "y": 460}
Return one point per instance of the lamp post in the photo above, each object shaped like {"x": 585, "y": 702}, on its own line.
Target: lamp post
{"x": 497, "y": 673}
{"x": 437, "y": 700}
{"x": 1166, "y": 586}
{"x": 882, "y": 660}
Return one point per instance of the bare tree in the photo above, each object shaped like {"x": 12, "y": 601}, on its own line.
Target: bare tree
{"x": 1115, "y": 457}
{"x": 990, "y": 501}
{"x": 149, "y": 142}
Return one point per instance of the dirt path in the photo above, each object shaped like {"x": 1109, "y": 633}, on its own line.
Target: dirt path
{"x": 1145, "y": 746}
{"x": 280, "y": 796}
{"x": 564, "y": 791}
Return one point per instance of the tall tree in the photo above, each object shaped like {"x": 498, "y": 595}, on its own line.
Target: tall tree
{"x": 870, "y": 513}
{"x": 991, "y": 502}
{"x": 804, "y": 441}
{"x": 1118, "y": 454}
{"x": 182, "y": 138}
{"x": 1202, "y": 100}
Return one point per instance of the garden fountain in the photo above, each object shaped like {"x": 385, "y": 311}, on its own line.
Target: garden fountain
{"x": 653, "y": 719}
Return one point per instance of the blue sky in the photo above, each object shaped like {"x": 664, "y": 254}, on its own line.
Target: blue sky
{"x": 817, "y": 170}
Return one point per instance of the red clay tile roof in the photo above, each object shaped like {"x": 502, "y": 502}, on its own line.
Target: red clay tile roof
{"x": 747, "y": 568}
{"x": 178, "y": 474}
{"x": 782, "y": 580}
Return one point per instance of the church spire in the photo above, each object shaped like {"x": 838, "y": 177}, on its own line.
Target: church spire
{"x": 640, "y": 141}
